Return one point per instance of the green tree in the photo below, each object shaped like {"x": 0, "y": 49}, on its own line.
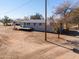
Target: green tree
{"x": 6, "y": 20}
{"x": 26, "y": 18}
{"x": 36, "y": 16}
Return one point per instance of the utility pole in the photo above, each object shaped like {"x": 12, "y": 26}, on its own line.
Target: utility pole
{"x": 45, "y": 20}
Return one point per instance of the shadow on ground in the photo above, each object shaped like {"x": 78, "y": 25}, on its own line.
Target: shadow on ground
{"x": 71, "y": 33}
{"x": 75, "y": 50}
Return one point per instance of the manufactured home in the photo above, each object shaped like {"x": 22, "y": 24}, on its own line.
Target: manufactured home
{"x": 37, "y": 25}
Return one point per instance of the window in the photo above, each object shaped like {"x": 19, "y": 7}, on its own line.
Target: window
{"x": 28, "y": 23}
{"x": 40, "y": 24}
{"x": 24, "y": 23}
{"x": 34, "y": 24}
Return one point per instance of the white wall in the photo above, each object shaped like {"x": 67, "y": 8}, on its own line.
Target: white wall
{"x": 39, "y": 27}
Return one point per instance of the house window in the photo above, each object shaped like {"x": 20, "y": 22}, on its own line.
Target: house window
{"x": 40, "y": 24}
{"x": 24, "y": 23}
{"x": 28, "y": 23}
{"x": 34, "y": 24}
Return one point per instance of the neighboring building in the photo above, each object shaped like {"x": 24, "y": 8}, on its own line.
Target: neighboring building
{"x": 37, "y": 25}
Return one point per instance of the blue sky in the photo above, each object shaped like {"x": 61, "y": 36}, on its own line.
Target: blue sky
{"x": 21, "y": 8}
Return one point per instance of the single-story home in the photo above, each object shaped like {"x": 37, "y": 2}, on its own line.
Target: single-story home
{"x": 37, "y": 25}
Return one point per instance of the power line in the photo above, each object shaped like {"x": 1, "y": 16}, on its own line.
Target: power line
{"x": 22, "y": 5}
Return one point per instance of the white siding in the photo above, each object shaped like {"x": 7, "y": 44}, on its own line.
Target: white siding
{"x": 39, "y": 25}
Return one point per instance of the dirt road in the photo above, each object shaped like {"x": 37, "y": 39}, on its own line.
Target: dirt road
{"x": 31, "y": 45}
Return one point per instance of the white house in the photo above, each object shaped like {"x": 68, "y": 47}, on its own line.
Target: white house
{"x": 37, "y": 25}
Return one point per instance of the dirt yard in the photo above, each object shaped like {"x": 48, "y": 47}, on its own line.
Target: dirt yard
{"x": 31, "y": 45}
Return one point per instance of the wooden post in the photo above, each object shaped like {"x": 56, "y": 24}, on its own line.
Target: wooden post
{"x": 45, "y": 20}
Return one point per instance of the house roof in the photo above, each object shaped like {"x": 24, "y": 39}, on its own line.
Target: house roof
{"x": 36, "y": 21}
